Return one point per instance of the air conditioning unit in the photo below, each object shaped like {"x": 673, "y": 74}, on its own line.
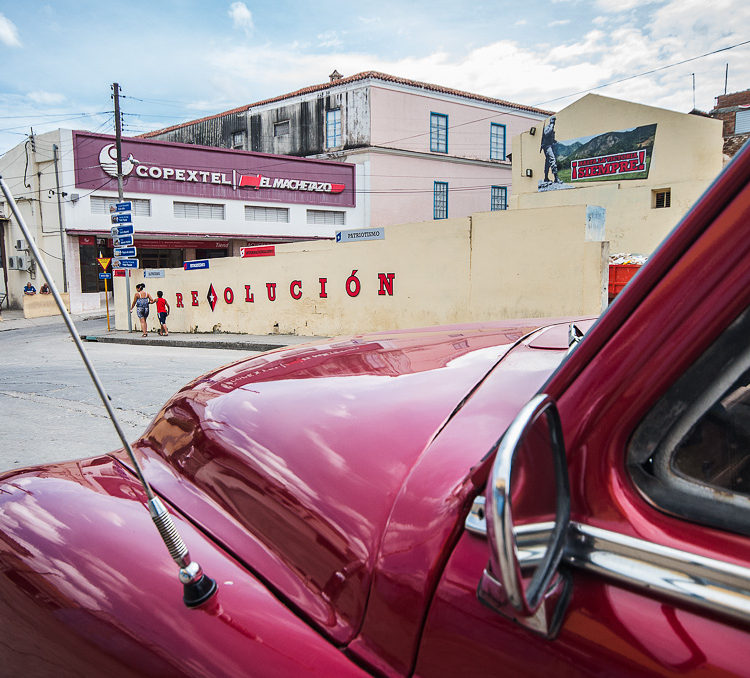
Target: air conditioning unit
{"x": 15, "y": 263}
{"x": 22, "y": 245}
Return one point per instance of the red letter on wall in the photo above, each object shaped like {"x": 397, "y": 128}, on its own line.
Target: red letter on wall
{"x": 248, "y": 296}
{"x": 386, "y": 283}
{"x": 298, "y": 285}
{"x": 228, "y": 295}
{"x": 271, "y": 287}
{"x": 323, "y": 282}
{"x": 194, "y": 294}
{"x": 179, "y": 300}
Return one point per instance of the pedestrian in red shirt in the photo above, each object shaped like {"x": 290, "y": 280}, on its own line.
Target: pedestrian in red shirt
{"x": 162, "y": 311}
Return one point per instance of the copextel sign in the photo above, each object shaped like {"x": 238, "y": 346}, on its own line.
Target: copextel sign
{"x": 198, "y": 171}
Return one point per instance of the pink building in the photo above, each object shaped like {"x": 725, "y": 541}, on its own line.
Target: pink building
{"x": 422, "y": 151}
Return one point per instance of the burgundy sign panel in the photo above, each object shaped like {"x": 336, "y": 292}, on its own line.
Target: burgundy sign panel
{"x": 212, "y": 173}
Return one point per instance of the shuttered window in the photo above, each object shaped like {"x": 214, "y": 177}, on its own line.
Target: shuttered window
{"x": 100, "y": 205}
{"x": 198, "y": 210}
{"x": 742, "y": 122}
{"x": 258, "y": 213}
{"x": 328, "y": 217}
{"x": 438, "y": 133}
{"x": 333, "y": 128}
{"x": 662, "y": 198}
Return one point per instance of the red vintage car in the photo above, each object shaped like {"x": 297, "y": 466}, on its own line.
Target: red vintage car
{"x": 481, "y": 500}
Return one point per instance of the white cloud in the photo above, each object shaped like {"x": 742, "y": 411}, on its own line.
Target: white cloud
{"x": 615, "y": 6}
{"x": 559, "y": 22}
{"x": 46, "y": 98}
{"x": 8, "y": 32}
{"x": 329, "y": 39}
{"x": 241, "y": 17}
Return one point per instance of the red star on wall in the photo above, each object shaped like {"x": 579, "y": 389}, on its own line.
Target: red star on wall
{"x": 211, "y": 296}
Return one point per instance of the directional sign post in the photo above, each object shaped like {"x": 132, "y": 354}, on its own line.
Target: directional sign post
{"x": 126, "y": 206}
{"x": 124, "y": 263}
{"x": 125, "y": 252}
{"x": 121, "y": 218}
{"x": 117, "y": 231}
{"x": 103, "y": 275}
{"x": 123, "y": 241}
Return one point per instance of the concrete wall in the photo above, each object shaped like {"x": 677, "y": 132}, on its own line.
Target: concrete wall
{"x": 687, "y": 156}
{"x": 488, "y": 266}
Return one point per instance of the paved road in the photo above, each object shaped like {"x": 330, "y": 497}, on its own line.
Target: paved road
{"x": 49, "y": 408}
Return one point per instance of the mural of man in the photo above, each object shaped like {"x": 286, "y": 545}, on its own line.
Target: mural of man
{"x": 548, "y": 142}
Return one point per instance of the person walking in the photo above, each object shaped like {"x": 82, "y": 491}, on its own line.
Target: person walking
{"x": 162, "y": 311}
{"x": 141, "y": 302}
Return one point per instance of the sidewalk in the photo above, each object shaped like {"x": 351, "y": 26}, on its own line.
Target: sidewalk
{"x": 97, "y": 331}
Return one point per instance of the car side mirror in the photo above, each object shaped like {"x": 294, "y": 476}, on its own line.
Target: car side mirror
{"x": 528, "y": 494}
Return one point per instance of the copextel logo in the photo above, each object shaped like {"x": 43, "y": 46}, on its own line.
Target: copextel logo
{"x": 108, "y": 162}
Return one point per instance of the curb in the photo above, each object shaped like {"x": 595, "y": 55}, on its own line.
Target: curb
{"x": 181, "y": 343}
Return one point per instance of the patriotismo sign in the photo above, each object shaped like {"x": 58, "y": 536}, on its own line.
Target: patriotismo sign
{"x": 178, "y": 169}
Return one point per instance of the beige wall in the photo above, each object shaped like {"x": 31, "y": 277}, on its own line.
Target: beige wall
{"x": 687, "y": 156}
{"x": 490, "y": 266}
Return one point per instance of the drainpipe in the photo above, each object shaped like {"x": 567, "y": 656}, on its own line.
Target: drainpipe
{"x": 60, "y": 219}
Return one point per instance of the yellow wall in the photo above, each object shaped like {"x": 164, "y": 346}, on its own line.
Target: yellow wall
{"x": 687, "y": 156}
{"x": 490, "y": 266}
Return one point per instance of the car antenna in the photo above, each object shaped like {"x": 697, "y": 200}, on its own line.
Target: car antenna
{"x": 197, "y": 586}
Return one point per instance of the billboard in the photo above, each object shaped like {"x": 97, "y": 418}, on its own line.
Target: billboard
{"x": 609, "y": 156}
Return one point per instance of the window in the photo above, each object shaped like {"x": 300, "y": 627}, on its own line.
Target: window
{"x": 238, "y": 141}
{"x": 258, "y": 213}
{"x": 742, "y": 122}
{"x": 333, "y": 128}
{"x": 100, "y": 205}
{"x": 691, "y": 454}
{"x": 438, "y": 133}
{"x": 497, "y": 141}
{"x": 661, "y": 198}
{"x": 198, "y": 210}
{"x": 90, "y": 267}
{"x": 440, "y": 200}
{"x": 499, "y": 198}
{"x": 281, "y": 129}
{"x": 328, "y": 217}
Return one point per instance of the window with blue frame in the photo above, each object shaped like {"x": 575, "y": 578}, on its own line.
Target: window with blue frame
{"x": 499, "y": 198}
{"x": 497, "y": 141}
{"x": 440, "y": 200}
{"x": 438, "y": 133}
{"x": 333, "y": 128}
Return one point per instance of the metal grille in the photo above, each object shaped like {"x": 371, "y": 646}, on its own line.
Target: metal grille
{"x": 499, "y": 198}
{"x": 742, "y": 122}
{"x": 281, "y": 129}
{"x": 440, "y": 200}
{"x": 328, "y": 217}
{"x": 663, "y": 198}
{"x": 258, "y": 213}
{"x": 198, "y": 210}
{"x": 100, "y": 205}
{"x": 438, "y": 133}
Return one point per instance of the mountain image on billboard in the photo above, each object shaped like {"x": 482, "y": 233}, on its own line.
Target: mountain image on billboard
{"x": 610, "y": 156}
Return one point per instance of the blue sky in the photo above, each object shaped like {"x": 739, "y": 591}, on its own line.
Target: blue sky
{"x": 177, "y": 60}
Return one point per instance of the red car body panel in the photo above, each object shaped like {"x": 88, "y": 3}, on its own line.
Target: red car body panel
{"x": 326, "y": 489}
{"x": 86, "y": 589}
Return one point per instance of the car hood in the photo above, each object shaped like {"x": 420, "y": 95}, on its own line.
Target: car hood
{"x": 294, "y": 460}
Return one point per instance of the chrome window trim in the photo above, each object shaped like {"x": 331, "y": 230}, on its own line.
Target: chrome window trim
{"x": 679, "y": 575}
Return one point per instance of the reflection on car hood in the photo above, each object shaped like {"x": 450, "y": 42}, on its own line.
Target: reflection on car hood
{"x": 294, "y": 459}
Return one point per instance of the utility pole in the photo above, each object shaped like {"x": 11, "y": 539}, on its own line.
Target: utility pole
{"x": 118, "y": 146}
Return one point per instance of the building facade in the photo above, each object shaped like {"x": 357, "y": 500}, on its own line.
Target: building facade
{"x": 425, "y": 151}
{"x": 734, "y": 112}
{"x": 188, "y": 203}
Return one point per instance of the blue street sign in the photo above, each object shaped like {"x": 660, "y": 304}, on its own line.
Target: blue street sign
{"x": 126, "y": 206}
{"x": 104, "y": 276}
{"x": 193, "y": 265}
{"x": 124, "y": 263}
{"x": 123, "y": 241}
{"x": 124, "y": 218}
{"x": 125, "y": 252}
{"x": 127, "y": 229}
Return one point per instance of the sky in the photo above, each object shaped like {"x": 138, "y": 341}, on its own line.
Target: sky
{"x": 177, "y": 60}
